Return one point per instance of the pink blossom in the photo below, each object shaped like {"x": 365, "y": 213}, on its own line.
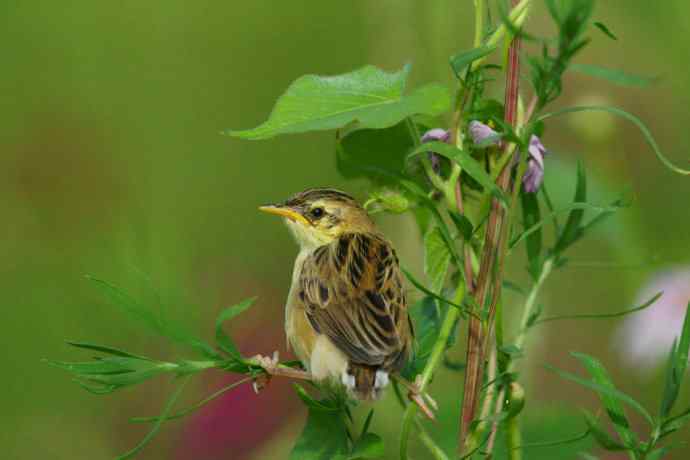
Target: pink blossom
{"x": 645, "y": 338}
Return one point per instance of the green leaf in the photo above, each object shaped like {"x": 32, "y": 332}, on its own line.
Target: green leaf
{"x": 162, "y": 326}
{"x": 602, "y": 315}
{"x": 196, "y": 406}
{"x": 436, "y": 258}
{"x": 426, "y": 318}
{"x": 617, "y": 77}
{"x": 614, "y": 409}
{"x": 369, "y": 445}
{"x": 601, "y": 26}
{"x": 602, "y": 210}
{"x": 224, "y": 341}
{"x": 324, "y": 437}
{"x": 462, "y": 60}
{"x": 157, "y": 426}
{"x": 630, "y": 117}
{"x": 466, "y": 162}
{"x": 678, "y": 364}
{"x": 314, "y": 404}
{"x": 367, "y": 422}
{"x": 463, "y": 224}
{"x": 603, "y": 438}
{"x": 432, "y": 294}
{"x": 368, "y": 96}
{"x": 104, "y": 349}
{"x": 675, "y": 423}
{"x": 571, "y": 232}
{"x": 530, "y": 217}
{"x": 603, "y": 390}
{"x": 354, "y": 157}
{"x": 656, "y": 454}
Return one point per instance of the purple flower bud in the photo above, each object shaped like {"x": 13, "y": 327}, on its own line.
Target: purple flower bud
{"x": 645, "y": 338}
{"x": 534, "y": 175}
{"x": 482, "y": 134}
{"x": 436, "y": 134}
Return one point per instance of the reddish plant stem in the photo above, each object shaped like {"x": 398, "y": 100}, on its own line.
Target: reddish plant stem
{"x": 476, "y": 344}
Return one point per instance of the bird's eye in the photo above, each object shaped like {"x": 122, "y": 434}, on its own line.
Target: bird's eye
{"x": 317, "y": 213}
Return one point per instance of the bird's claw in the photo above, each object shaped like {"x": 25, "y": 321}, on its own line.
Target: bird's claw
{"x": 269, "y": 365}
{"x": 422, "y": 398}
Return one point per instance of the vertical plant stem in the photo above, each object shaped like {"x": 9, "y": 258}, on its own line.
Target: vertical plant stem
{"x": 497, "y": 219}
{"x": 452, "y": 315}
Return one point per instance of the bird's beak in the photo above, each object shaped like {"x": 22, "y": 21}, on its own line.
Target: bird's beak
{"x": 284, "y": 211}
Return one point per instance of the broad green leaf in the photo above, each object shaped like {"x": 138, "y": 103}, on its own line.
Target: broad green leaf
{"x": 324, "y": 437}
{"x": 436, "y": 258}
{"x": 617, "y": 77}
{"x": 614, "y": 409}
{"x": 603, "y": 390}
{"x": 677, "y": 366}
{"x": 572, "y": 230}
{"x": 368, "y": 96}
{"x": 157, "y": 426}
{"x": 599, "y": 433}
{"x": 601, "y": 26}
{"x": 531, "y": 216}
{"x": 630, "y": 117}
{"x": 369, "y": 445}
{"x": 224, "y": 341}
{"x": 466, "y": 162}
{"x": 462, "y": 60}
{"x": 364, "y": 151}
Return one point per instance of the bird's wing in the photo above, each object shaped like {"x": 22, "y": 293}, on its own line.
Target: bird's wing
{"x": 352, "y": 292}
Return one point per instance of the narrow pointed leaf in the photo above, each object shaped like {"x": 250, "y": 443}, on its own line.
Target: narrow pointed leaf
{"x": 630, "y": 117}
{"x": 157, "y": 426}
{"x": 617, "y": 77}
{"x": 614, "y": 408}
{"x": 677, "y": 367}
{"x": 531, "y": 216}
{"x": 602, "y": 389}
{"x": 601, "y": 26}
{"x": 466, "y": 162}
{"x": 462, "y": 60}
{"x": 369, "y": 96}
{"x": 571, "y": 231}
{"x": 603, "y": 438}
{"x": 224, "y": 341}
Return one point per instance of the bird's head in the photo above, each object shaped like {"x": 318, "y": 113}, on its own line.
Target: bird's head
{"x": 318, "y": 216}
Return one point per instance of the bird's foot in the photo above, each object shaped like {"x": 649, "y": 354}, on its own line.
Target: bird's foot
{"x": 269, "y": 365}
{"x": 422, "y": 399}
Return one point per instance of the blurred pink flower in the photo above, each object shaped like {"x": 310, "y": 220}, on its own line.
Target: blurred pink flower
{"x": 645, "y": 338}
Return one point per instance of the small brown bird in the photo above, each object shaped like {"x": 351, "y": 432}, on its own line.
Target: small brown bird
{"x": 346, "y": 314}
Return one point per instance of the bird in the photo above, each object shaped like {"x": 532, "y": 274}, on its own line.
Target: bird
{"x": 346, "y": 315}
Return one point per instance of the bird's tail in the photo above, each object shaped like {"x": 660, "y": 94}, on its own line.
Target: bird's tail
{"x": 369, "y": 381}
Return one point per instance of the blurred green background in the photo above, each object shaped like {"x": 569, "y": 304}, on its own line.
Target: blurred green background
{"x": 111, "y": 164}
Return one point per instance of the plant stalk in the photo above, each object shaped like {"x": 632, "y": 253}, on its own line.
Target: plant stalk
{"x": 497, "y": 216}
{"x": 452, "y": 315}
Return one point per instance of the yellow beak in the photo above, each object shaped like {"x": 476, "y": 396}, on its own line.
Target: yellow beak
{"x": 283, "y": 211}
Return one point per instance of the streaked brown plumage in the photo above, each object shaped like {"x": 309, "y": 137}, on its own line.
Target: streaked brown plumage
{"x": 346, "y": 313}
